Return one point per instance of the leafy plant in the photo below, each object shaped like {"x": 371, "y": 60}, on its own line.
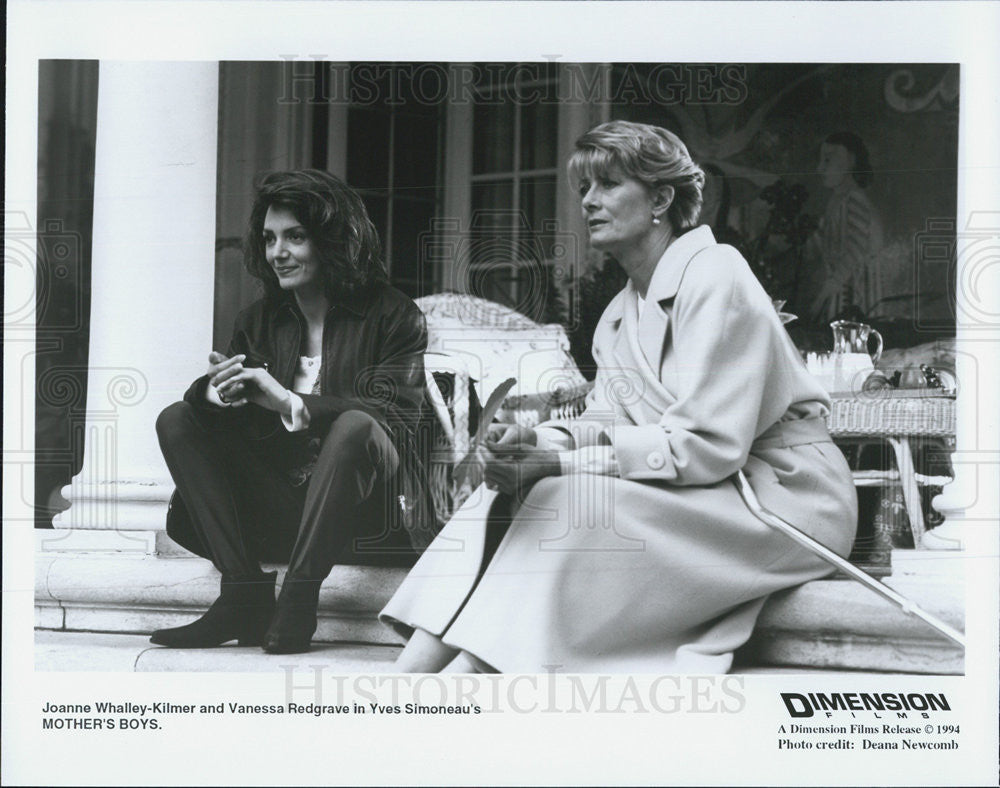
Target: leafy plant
{"x": 468, "y": 473}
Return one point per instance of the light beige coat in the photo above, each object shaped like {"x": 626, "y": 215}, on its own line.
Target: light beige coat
{"x": 662, "y": 568}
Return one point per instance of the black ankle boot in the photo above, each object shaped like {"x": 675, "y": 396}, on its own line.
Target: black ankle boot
{"x": 242, "y": 613}
{"x": 294, "y": 620}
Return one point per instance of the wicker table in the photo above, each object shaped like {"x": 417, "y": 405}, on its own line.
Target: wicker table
{"x": 895, "y": 417}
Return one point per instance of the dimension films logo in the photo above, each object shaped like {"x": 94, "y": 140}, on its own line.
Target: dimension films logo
{"x": 902, "y": 703}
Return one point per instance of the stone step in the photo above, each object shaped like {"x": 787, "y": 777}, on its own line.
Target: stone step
{"x": 113, "y": 653}
{"x": 92, "y": 651}
{"x": 827, "y": 624}
{"x": 126, "y": 593}
{"x": 841, "y": 624}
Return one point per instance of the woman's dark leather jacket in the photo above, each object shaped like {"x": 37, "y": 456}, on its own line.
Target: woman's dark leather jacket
{"x": 372, "y": 361}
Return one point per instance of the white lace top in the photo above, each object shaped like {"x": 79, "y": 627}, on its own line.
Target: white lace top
{"x": 306, "y": 375}
{"x": 306, "y": 381}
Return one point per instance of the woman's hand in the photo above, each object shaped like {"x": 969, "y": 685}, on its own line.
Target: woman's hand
{"x": 515, "y": 463}
{"x": 237, "y": 385}
{"x": 514, "y": 467}
{"x": 500, "y": 435}
{"x": 220, "y": 371}
{"x": 260, "y": 388}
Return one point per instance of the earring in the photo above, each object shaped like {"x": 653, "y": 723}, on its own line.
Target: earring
{"x": 656, "y": 219}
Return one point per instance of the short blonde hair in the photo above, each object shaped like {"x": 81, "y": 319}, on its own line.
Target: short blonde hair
{"x": 652, "y": 155}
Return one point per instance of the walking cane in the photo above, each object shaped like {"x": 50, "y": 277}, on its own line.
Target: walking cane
{"x": 769, "y": 518}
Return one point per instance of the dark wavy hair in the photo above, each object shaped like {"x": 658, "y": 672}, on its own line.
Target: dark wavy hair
{"x": 337, "y": 224}
{"x": 862, "y": 171}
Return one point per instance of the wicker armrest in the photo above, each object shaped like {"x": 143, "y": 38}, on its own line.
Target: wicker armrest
{"x": 563, "y": 402}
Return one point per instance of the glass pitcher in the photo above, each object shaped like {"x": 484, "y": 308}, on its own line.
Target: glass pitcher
{"x": 849, "y": 337}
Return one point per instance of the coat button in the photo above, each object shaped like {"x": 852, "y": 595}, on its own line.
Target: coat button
{"x": 655, "y": 460}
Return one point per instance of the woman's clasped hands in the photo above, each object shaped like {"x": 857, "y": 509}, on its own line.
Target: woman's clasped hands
{"x": 514, "y": 461}
{"x": 237, "y": 384}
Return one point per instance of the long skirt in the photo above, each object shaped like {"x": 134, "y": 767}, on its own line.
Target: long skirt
{"x": 600, "y": 574}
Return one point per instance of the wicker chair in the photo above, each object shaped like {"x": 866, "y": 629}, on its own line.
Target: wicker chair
{"x": 482, "y": 344}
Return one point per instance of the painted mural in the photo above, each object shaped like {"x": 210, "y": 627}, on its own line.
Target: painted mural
{"x": 832, "y": 179}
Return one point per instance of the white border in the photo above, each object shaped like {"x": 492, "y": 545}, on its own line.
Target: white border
{"x": 623, "y": 748}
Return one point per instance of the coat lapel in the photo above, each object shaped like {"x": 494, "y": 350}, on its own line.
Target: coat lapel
{"x": 653, "y": 325}
{"x": 637, "y": 344}
{"x": 655, "y": 398}
{"x": 620, "y": 352}
{"x": 651, "y": 332}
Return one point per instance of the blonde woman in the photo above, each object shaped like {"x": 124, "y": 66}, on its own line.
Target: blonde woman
{"x": 616, "y": 542}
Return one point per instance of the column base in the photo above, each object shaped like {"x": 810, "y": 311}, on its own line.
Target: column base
{"x": 944, "y": 538}
{"x": 123, "y": 505}
{"x": 72, "y": 540}
{"x": 929, "y": 563}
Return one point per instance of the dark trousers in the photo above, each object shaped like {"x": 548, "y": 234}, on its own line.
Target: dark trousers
{"x": 245, "y": 508}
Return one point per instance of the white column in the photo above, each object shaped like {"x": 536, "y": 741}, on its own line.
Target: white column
{"x": 152, "y": 291}
{"x": 971, "y": 503}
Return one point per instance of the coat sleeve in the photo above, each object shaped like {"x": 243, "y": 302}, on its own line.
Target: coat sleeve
{"x": 727, "y": 369}
{"x": 392, "y": 390}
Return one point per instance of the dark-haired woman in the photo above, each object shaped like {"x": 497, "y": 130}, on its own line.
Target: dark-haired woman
{"x": 850, "y": 234}
{"x": 299, "y": 443}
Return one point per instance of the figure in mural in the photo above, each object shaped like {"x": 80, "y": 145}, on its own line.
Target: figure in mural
{"x": 298, "y": 445}
{"x": 616, "y": 541}
{"x": 849, "y": 239}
